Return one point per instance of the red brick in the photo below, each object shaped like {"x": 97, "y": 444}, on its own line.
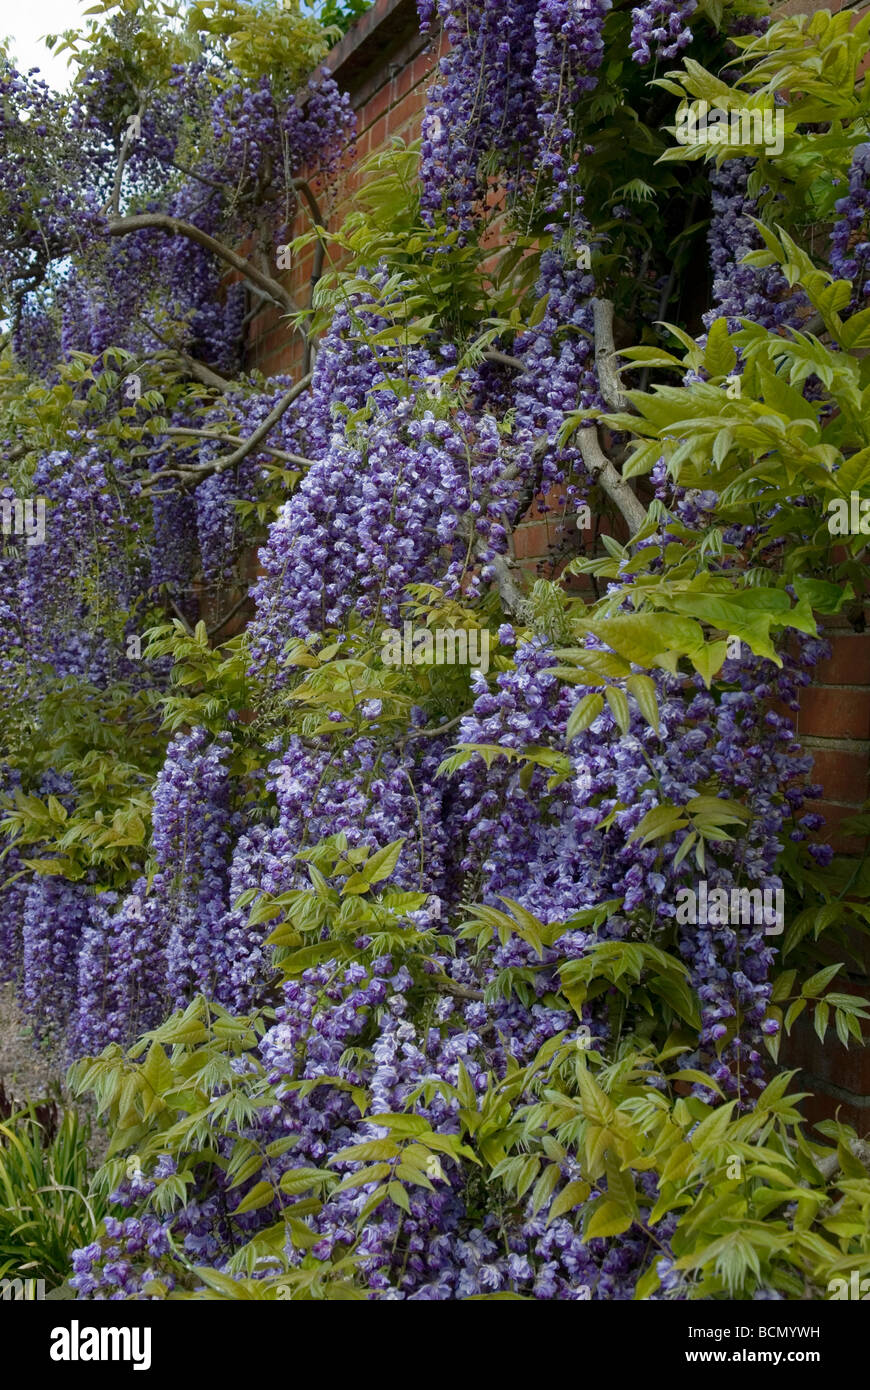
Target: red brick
{"x": 409, "y": 109}
{"x": 303, "y": 267}
{"x": 407, "y": 78}
{"x": 849, "y": 662}
{"x": 402, "y": 82}
{"x": 532, "y": 540}
{"x": 422, "y": 66}
{"x": 835, "y": 712}
{"x": 548, "y": 500}
{"x": 376, "y": 106}
{"x": 266, "y": 320}
{"x": 844, "y": 775}
{"x": 275, "y": 341}
{"x": 831, "y": 834}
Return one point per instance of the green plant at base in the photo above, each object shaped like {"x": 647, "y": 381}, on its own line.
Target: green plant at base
{"x": 47, "y": 1207}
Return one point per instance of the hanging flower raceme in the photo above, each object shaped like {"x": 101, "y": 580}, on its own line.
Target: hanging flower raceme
{"x": 385, "y": 508}
{"x": 509, "y": 87}
{"x": 743, "y": 291}
{"x": 660, "y": 29}
{"x": 193, "y": 832}
{"x": 86, "y": 574}
{"x": 56, "y": 916}
{"x": 850, "y": 247}
{"x": 574, "y": 848}
{"x": 560, "y": 374}
{"x": 122, "y": 982}
{"x": 568, "y": 51}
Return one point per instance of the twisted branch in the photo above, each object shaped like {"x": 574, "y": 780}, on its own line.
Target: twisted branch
{"x": 196, "y": 472}
{"x": 611, "y": 480}
{"x": 115, "y": 200}
{"x": 176, "y": 226}
{"x": 296, "y": 459}
{"x": 606, "y": 355}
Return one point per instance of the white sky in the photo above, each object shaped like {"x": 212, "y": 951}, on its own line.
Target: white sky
{"x": 24, "y": 24}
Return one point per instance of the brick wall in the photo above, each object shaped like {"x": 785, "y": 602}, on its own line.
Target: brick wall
{"x": 385, "y": 67}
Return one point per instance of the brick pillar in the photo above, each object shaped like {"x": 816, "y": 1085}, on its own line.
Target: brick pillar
{"x": 834, "y": 725}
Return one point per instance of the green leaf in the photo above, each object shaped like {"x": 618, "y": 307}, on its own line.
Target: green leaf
{"x": 597, "y": 1105}
{"x": 157, "y": 1070}
{"x": 644, "y": 692}
{"x": 222, "y": 1283}
{"x": 544, "y": 1186}
{"x": 720, "y": 357}
{"x": 816, "y": 983}
{"x": 608, "y": 1219}
{"x": 571, "y": 1196}
{"x": 649, "y": 639}
{"x": 820, "y": 1019}
{"x": 260, "y": 1195}
{"x": 538, "y": 313}
{"x": 659, "y": 823}
{"x": 398, "y": 1195}
{"x": 584, "y": 713}
{"x": 618, "y": 702}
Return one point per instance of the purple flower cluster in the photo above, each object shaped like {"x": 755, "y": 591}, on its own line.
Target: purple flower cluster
{"x": 509, "y": 86}
{"x": 132, "y": 1251}
{"x": 382, "y": 508}
{"x": 660, "y": 29}
{"x": 87, "y": 575}
{"x": 850, "y": 248}
{"x": 743, "y": 291}
{"x": 558, "y": 863}
{"x": 56, "y": 916}
{"x": 121, "y": 989}
{"x": 193, "y": 825}
{"x": 13, "y": 896}
{"x": 42, "y": 214}
{"x": 373, "y": 1023}
{"x": 560, "y": 375}
{"x": 412, "y": 491}
{"x": 220, "y": 531}
{"x": 569, "y": 49}
{"x": 254, "y": 147}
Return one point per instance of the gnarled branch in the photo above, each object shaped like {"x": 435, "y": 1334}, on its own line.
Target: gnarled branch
{"x": 197, "y": 472}
{"x": 115, "y": 200}
{"x": 605, "y": 355}
{"x": 246, "y": 597}
{"x": 504, "y": 359}
{"x": 611, "y": 480}
{"x": 176, "y": 226}
{"x": 296, "y": 459}
{"x": 198, "y": 370}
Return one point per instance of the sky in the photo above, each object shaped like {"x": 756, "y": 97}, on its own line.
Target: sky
{"x": 24, "y": 24}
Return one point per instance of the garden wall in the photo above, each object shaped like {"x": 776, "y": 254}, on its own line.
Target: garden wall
{"x": 386, "y": 68}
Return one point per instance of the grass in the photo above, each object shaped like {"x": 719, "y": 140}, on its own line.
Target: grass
{"x": 46, "y": 1207}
